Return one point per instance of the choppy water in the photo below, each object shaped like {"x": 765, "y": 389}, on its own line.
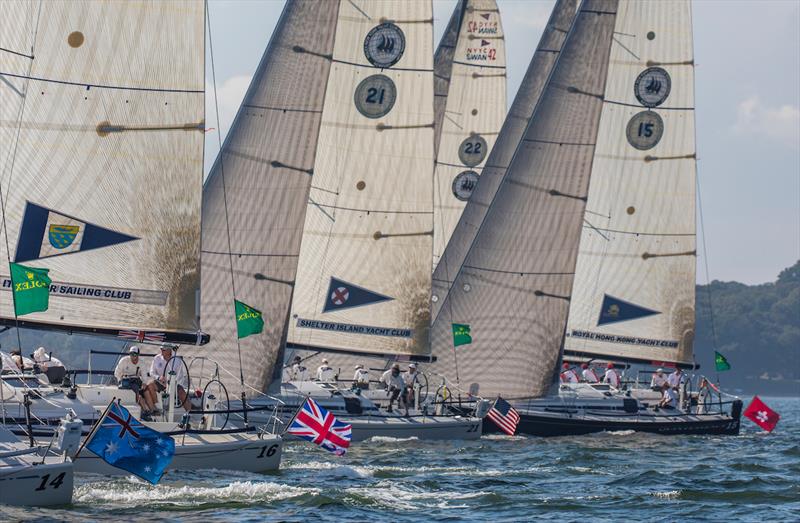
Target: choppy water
{"x": 609, "y": 476}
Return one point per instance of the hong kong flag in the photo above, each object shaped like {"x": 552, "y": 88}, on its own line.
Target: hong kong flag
{"x": 761, "y": 415}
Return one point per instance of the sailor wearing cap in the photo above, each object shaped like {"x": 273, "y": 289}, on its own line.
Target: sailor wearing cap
{"x": 393, "y": 382}
{"x": 676, "y": 378}
{"x": 568, "y": 375}
{"x": 611, "y": 377}
{"x": 130, "y": 375}
{"x": 588, "y": 373}
{"x": 361, "y": 377}
{"x": 658, "y": 380}
{"x": 325, "y": 372}
{"x": 298, "y": 371}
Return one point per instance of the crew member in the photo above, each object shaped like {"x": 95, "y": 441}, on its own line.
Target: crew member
{"x": 361, "y": 377}
{"x": 658, "y": 380}
{"x": 675, "y": 379}
{"x": 393, "y": 383}
{"x": 298, "y": 372}
{"x": 669, "y": 398}
{"x": 611, "y": 377}
{"x": 23, "y": 364}
{"x": 129, "y": 373}
{"x": 588, "y": 374}
{"x": 410, "y": 381}
{"x": 703, "y": 396}
{"x": 44, "y": 360}
{"x": 568, "y": 375}
{"x": 325, "y": 372}
{"x": 161, "y": 367}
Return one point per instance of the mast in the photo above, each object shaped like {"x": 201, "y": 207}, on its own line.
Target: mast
{"x": 474, "y": 112}
{"x": 514, "y": 286}
{"x": 101, "y": 163}
{"x": 255, "y": 195}
{"x": 634, "y": 297}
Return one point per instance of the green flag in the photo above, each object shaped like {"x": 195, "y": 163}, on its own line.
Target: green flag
{"x": 248, "y": 320}
{"x": 721, "y": 362}
{"x": 31, "y": 289}
{"x": 461, "y": 334}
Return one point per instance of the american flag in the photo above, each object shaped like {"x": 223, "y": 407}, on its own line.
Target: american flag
{"x": 141, "y": 335}
{"x": 504, "y": 416}
{"x": 317, "y": 425}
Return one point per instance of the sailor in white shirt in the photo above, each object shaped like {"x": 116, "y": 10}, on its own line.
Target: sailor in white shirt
{"x": 568, "y": 375}
{"x": 130, "y": 374}
{"x": 325, "y": 372}
{"x": 44, "y": 360}
{"x": 611, "y": 377}
{"x": 669, "y": 399}
{"x": 588, "y": 373}
{"x": 361, "y": 377}
{"x": 658, "y": 381}
{"x": 296, "y": 371}
{"x": 165, "y": 363}
{"x": 675, "y": 379}
{"x": 393, "y": 382}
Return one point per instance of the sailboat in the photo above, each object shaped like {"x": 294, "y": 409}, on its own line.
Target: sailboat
{"x": 339, "y": 258}
{"x": 102, "y": 143}
{"x": 599, "y": 118}
{"x": 469, "y": 104}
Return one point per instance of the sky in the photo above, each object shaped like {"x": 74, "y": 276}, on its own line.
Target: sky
{"x": 747, "y": 109}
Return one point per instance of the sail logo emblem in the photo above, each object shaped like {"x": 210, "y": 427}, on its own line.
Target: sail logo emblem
{"x": 340, "y": 295}
{"x": 62, "y": 236}
{"x": 384, "y": 45}
{"x": 652, "y": 86}
{"x": 344, "y": 295}
{"x": 614, "y": 310}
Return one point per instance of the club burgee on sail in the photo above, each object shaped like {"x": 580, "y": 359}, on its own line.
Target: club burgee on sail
{"x": 514, "y": 287}
{"x": 104, "y": 178}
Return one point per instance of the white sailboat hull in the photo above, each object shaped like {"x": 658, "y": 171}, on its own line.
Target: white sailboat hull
{"x": 36, "y": 485}
{"x": 241, "y": 452}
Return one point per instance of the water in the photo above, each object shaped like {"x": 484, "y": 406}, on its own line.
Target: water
{"x": 605, "y": 477}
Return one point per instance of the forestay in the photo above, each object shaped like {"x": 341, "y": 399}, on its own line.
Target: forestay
{"x": 364, "y": 274}
{"x": 475, "y": 107}
{"x": 257, "y": 189}
{"x": 514, "y": 286}
{"x": 101, "y": 146}
{"x": 634, "y": 296}
{"x": 501, "y": 154}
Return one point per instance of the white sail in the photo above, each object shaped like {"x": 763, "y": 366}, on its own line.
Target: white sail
{"x": 512, "y": 291}
{"x": 364, "y": 276}
{"x": 101, "y": 147}
{"x": 255, "y": 195}
{"x": 474, "y": 112}
{"x": 503, "y": 151}
{"x": 634, "y": 296}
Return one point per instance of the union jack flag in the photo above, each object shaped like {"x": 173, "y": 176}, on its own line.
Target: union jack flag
{"x": 141, "y": 336}
{"x": 317, "y": 425}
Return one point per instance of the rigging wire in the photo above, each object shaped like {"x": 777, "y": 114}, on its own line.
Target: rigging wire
{"x": 222, "y": 178}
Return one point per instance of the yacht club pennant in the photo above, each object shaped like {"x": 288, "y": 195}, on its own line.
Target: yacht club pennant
{"x": 614, "y": 310}
{"x": 344, "y": 295}
{"x": 45, "y": 233}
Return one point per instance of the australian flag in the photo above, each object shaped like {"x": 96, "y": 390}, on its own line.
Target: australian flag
{"x": 317, "y": 425}
{"x": 123, "y": 442}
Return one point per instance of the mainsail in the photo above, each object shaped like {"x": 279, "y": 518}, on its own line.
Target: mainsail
{"x": 254, "y": 198}
{"x": 471, "y": 106}
{"x": 101, "y": 147}
{"x": 634, "y": 297}
{"x": 503, "y": 151}
{"x": 514, "y": 286}
{"x": 364, "y": 275}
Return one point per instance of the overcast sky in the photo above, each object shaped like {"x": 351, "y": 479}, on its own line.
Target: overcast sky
{"x": 748, "y": 113}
